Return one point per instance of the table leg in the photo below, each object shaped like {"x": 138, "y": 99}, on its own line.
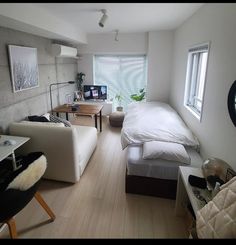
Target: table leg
{"x": 15, "y": 167}
{"x": 181, "y": 197}
{"x": 100, "y": 120}
{"x": 67, "y": 117}
{"x": 57, "y": 114}
{"x": 96, "y": 120}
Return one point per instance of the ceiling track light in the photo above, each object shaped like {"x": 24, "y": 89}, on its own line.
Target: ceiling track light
{"x": 104, "y": 18}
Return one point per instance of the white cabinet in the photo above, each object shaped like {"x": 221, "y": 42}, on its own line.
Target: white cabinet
{"x": 107, "y": 105}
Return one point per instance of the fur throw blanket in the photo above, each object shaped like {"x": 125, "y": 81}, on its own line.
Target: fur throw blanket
{"x": 30, "y": 175}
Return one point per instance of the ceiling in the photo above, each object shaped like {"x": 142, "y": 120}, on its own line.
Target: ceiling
{"x": 125, "y": 17}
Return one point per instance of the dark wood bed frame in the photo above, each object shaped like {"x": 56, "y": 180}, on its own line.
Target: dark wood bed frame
{"x": 150, "y": 186}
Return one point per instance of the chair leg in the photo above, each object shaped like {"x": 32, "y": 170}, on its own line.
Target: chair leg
{"x": 12, "y": 227}
{"x": 44, "y": 205}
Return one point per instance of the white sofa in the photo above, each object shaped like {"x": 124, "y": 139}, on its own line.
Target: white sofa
{"x": 67, "y": 149}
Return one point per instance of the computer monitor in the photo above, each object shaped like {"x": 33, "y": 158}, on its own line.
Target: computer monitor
{"x": 95, "y": 92}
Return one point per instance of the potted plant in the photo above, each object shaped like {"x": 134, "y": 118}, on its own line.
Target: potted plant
{"x": 79, "y": 81}
{"x": 119, "y": 99}
{"x": 138, "y": 97}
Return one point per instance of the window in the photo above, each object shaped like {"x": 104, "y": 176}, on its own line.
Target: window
{"x": 195, "y": 78}
{"x": 123, "y": 74}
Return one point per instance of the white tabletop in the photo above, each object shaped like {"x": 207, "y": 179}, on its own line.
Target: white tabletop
{"x": 6, "y": 150}
{"x": 185, "y": 172}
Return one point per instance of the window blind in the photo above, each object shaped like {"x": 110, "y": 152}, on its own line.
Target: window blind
{"x": 201, "y": 48}
{"x": 123, "y": 74}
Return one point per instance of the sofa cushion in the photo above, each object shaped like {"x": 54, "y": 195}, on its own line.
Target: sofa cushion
{"x": 47, "y": 115}
{"x": 56, "y": 119}
{"x": 36, "y": 118}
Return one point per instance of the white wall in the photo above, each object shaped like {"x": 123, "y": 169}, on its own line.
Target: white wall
{"x": 160, "y": 45}
{"x": 157, "y": 45}
{"x": 215, "y": 23}
{"x": 105, "y": 44}
{"x": 135, "y": 43}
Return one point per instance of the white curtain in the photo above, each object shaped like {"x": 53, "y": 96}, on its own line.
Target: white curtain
{"x": 123, "y": 74}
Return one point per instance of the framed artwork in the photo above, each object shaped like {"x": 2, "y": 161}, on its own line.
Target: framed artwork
{"x": 24, "y": 67}
{"x": 78, "y": 95}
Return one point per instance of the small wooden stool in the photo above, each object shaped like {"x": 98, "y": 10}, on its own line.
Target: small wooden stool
{"x": 116, "y": 119}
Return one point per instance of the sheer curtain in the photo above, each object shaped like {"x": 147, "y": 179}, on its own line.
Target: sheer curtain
{"x": 123, "y": 74}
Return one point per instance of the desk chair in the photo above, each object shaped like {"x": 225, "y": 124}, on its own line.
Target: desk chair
{"x": 19, "y": 187}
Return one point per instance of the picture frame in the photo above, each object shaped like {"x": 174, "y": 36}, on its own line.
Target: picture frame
{"x": 24, "y": 67}
{"x": 78, "y": 95}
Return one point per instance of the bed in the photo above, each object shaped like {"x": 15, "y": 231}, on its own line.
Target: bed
{"x": 155, "y": 122}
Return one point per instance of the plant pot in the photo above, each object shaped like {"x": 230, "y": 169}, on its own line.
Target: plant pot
{"x": 119, "y": 108}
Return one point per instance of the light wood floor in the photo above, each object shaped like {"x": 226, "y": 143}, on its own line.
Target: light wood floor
{"x": 97, "y": 206}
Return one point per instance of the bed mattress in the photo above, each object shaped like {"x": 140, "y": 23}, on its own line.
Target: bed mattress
{"x": 155, "y": 121}
{"x": 157, "y": 168}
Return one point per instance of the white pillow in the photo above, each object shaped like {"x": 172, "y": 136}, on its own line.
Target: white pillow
{"x": 47, "y": 115}
{"x": 165, "y": 150}
{"x": 43, "y": 123}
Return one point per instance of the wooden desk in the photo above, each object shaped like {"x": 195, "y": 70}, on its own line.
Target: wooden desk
{"x": 7, "y": 150}
{"x": 85, "y": 110}
{"x": 107, "y": 105}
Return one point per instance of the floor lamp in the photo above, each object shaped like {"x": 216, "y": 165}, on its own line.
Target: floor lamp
{"x": 50, "y": 88}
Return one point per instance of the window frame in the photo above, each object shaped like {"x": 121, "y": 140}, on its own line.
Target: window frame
{"x": 122, "y": 55}
{"x": 193, "y": 77}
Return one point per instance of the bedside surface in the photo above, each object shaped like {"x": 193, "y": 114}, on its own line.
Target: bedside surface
{"x": 185, "y": 190}
{"x": 6, "y": 150}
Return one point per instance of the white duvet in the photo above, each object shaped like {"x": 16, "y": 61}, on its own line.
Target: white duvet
{"x": 148, "y": 121}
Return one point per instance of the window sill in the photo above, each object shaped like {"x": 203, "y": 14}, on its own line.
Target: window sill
{"x": 194, "y": 113}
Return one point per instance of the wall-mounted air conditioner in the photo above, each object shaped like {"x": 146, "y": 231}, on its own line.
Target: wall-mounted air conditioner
{"x": 59, "y": 50}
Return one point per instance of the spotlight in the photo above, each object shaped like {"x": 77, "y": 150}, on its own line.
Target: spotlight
{"x": 104, "y": 18}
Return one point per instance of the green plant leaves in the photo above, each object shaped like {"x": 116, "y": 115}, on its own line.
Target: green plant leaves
{"x": 138, "y": 97}
{"x": 141, "y": 90}
{"x": 80, "y": 79}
